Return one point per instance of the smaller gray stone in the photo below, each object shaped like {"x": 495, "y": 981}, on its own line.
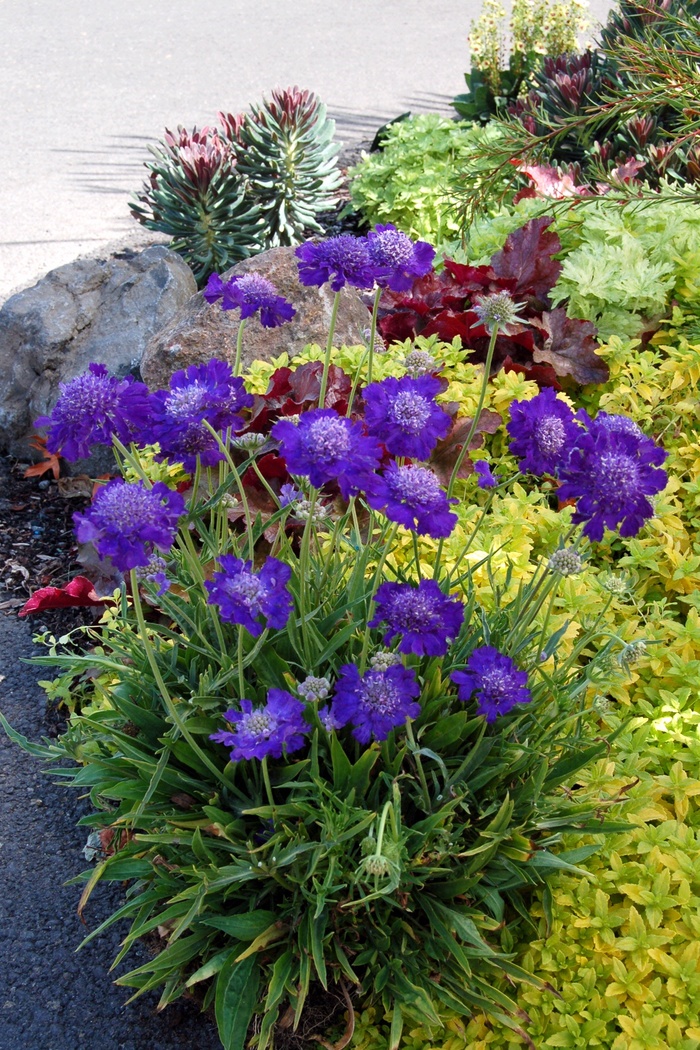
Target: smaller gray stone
{"x": 202, "y": 330}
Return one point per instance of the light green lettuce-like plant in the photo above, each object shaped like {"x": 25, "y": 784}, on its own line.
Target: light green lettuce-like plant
{"x": 408, "y": 182}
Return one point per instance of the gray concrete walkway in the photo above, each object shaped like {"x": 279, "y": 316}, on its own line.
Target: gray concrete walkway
{"x": 85, "y": 85}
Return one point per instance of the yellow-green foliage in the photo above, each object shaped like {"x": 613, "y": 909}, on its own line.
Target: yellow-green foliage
{"x": 621, "y": 944}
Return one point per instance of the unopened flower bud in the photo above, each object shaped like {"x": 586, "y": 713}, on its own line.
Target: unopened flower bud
{"x": 565, "y": 561}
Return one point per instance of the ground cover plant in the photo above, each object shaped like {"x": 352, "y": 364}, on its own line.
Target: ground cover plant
{"x": 318, "y": 703}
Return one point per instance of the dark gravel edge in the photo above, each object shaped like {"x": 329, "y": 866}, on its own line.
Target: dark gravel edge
{"x": 52, "y": 998}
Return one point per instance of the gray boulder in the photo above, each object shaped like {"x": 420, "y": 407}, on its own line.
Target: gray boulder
{"x": 101, "y": 310}
{"x": 200, "y": 330}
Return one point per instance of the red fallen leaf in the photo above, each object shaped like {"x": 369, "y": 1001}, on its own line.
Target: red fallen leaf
{"x": 48, "y": 462}
{"x": 79, "y": 592}
{"x": 570, "y": 347}
{"x": 527, "y": 258}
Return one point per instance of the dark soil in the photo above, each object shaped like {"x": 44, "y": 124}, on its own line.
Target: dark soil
{"x": 53, "y": 998}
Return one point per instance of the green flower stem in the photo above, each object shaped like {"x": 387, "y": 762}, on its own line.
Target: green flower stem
{"x": 186, "y": 544}
{"x": 545, "y": 624}
{"x": 329, "y": 348}
{"x": 170, "y": 705}
{"x": 419, "y": 766}
{"x": 132, "y": 460}
{"x": 239, "y": 347}
{"x": 356, "y": 381}
{"x": 386, "y": 550}
{"x": 241, "y": 675}
{"x": 373, "y": 332}
{"x": 264, "y": 482}
{"x": 472, "y": 430}
{"x": 477, "y": 413}
{"x": 266, "y": 779}
{"x": 304, "y": 576}
{"x": 474, "y": 533}
{"x": 239, "y": 484}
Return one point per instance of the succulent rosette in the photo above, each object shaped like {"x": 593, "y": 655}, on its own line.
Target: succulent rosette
{"x": 92, "y": 409}
{"x": 404, "y": 415}
{"x": 128, "y": 520}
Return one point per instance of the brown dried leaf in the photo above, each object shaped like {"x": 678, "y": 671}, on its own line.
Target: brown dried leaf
{"x": 446, "y": 451}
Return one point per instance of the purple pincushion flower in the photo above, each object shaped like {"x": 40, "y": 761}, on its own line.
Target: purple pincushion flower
{"x": 276, "y": 727}
{"x": 403, "y": 414}
{"x": 325, "y": 446}
{"x": 251, "y": 292}
{"x": 542, "y": 432}
{"x": 495, "y": 681}
{"x": 91, "y": 409}
{"x": 127, "y": 520}
{"x": 611, "y": 472}
{"x": 215, "y": 288}
{"x": 414, "y": 498}
{"x": 487, "y": 479}
{"x": 426, "y": 619}
{"x": 341, "y": 260}
{"x": 398, "y": 259}
{"x": 376, "y": 702}
{"x": 208, "y": 392}
{"x": 246, "y": 597}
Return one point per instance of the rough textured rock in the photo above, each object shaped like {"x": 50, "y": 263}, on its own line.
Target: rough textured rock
{"x": 201, "y": 330}
{"x": 102, "y": 310}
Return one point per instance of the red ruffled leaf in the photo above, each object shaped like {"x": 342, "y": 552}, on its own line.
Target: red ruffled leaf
{"x": 570, "y": 347}
{"x": 526, "y": 259}
{"x": 79, "y": 592}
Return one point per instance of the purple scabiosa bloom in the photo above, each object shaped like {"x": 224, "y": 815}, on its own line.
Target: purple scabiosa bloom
{"x": 276, "y": 727}
{"x": 127, "y": 520}
{"x": 251, "y": 292}
{"x": 495, "y": 681}
{"x": 403, "y": 414}
{"x": 413, "y": 497}
{"x": 398, "y": 259}
{"x": 612, "y": 472}
{"x": 487, "y": 479}
{"x": 542, "y": 432}
{"x": 341, "y": 260}
{"x": 289, "y": 494}
{"x": 246, "y": 597}
{"x": 91, "y": 409}
{"x": 208, "y": 392}
{"x": 376, "y": 702}
{"x": 426, "y": 619}
{"x": 215, "y": 288}
{"x": 325, "y": 446}
{"x": 623, "y": 424}
{"x": 327, "y": 719}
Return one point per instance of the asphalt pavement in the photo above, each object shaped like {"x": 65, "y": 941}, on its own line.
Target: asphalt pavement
{"x": 86, "y": 85}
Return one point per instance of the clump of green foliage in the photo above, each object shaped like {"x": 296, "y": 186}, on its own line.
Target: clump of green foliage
{"x": 408, "y": 181}
{"x": 259, "y": 181}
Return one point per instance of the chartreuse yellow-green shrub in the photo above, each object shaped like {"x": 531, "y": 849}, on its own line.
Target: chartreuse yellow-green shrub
{"x": 620, "y": 939}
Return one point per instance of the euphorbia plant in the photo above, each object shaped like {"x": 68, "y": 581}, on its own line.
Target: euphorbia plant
{"x": 332, "y": 769}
